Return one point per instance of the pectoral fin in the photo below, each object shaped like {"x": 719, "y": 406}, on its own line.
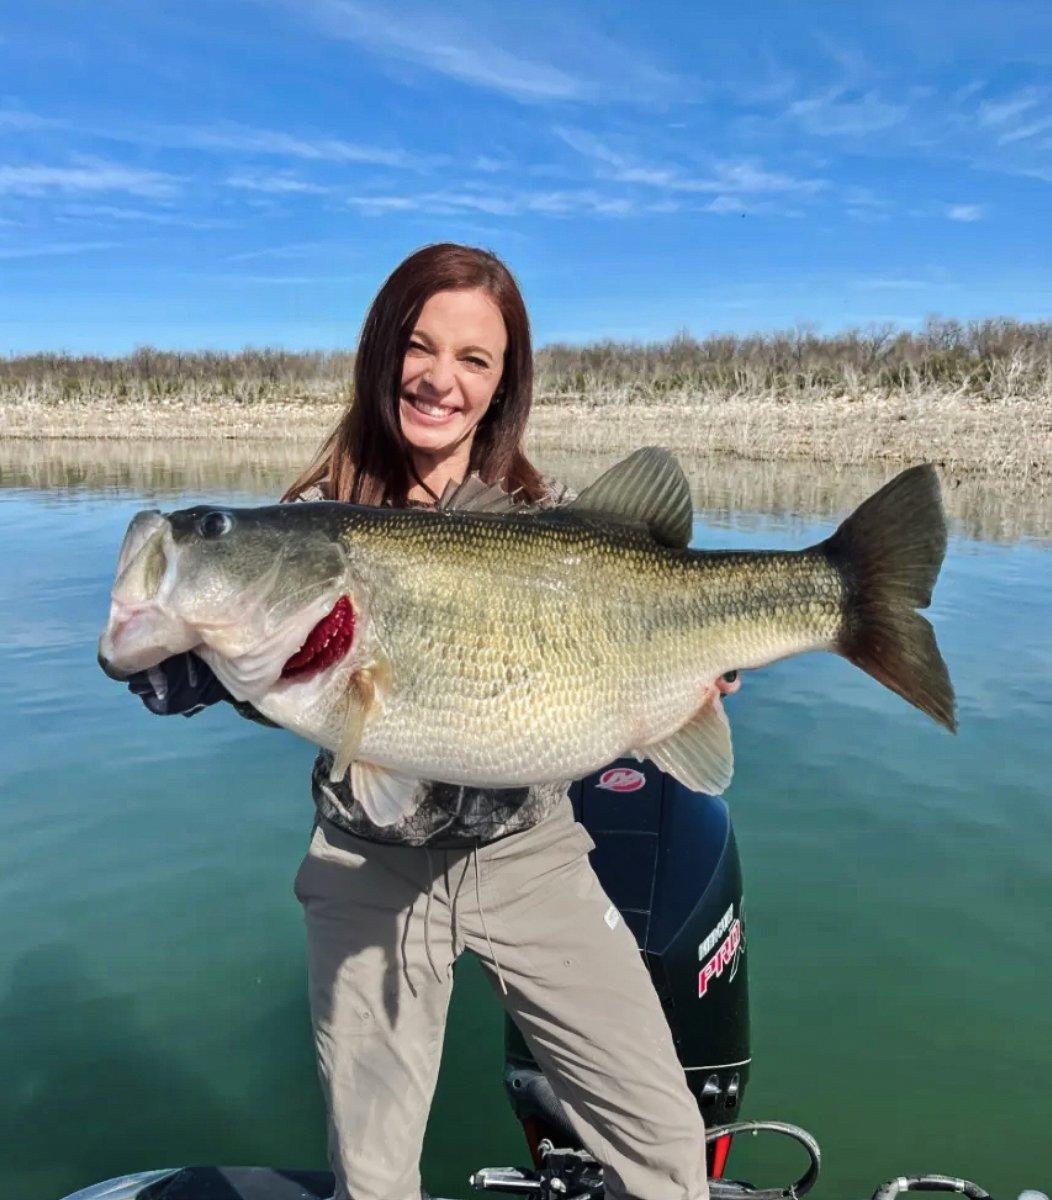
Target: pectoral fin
{"x": 699, "y": 753}
{"x": 364, "y": 699}
{"x": 384, "y": 796}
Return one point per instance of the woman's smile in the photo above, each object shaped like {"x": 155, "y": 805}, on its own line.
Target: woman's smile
{"x": 432, "y": 412}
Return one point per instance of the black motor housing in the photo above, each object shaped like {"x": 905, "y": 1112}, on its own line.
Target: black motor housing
{"x": 667, "y": 858}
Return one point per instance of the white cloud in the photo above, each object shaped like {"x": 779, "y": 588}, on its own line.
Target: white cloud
{"x": 863, "y": 204}
{"x": 430, "y": 41}
{"x": 88, "y": 176}
{"x": 556, "y": 57}
{"x": 890, "y": 284}
{"x": 555, "y": 203}
{"x": 726, "y": 206}
{"x": 964, "y": 212}
{"x": 289, "y": 250}
{"x": 286, "y": 280}
{"x": 376, "y": 205}
{"x": 229, "y": 136}
{"x": 1000, "y": 112}
{"x": 745, "y": 176}
{"x": 275, "y": 185}
{"x": 222, "y": 137}
{"x": 507, "y": 204}
{"x": 19, "y": 119}
{"x": 837, "y": 113}
{"x": 111, "y": 212}
{"x": 51, "y": 249}
{"x": 1021, "y": 132}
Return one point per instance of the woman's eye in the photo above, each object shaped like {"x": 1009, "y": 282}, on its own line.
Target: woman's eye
{"x": 478, "y": 362}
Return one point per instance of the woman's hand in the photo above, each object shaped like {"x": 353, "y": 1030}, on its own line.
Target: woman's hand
{"x": 181, "y": 684}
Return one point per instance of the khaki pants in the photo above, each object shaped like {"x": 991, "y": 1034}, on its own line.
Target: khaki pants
{"x": 384, "y": 926}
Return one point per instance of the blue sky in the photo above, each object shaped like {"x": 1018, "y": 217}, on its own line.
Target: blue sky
{"x": 221, "y": 173}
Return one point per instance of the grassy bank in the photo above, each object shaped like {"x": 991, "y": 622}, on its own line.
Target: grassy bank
{"x": 975, "y": 397}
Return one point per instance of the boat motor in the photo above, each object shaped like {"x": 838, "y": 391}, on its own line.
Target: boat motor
{"x": 667, "y": 858}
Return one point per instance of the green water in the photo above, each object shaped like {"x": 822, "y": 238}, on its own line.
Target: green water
{"x": 899, "y": 880}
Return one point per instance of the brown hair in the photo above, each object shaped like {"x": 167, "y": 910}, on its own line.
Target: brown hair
{"x": 365, "y": 459}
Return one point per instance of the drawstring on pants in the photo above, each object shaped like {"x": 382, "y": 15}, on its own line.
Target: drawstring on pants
{"x": 482, "y": 918}
{"x": 427, "y": 913}
{"x": 482, "y": 915}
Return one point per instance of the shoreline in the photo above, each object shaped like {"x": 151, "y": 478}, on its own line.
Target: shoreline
{"x": 999, "y": 438}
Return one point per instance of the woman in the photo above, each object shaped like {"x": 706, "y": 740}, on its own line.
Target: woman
{"x": 443, "y": 381}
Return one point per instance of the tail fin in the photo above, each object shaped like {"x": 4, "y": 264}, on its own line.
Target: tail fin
{"x": 889, "y": 552}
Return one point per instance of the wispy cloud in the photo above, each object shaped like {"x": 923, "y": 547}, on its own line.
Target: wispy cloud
{"x": 744, "y": 176}
{"x": 277, "y": 185}
{"x": 964, "y": 212}
{"x": 429, "y": 41}
{"x": 840, "y": 113}
{"x": 87, "y": 176}
{"x": 572, "y": 62}
{"x": 879, "y": 283}
{"x": 557, "y": 203}
{"x": 287, "y": 280}
{"x": 18, "y": 119}
{"x": 1029, "y": 130}
{"x": 220, "y": 137}
{"x": 1002, "y": 111}
{"x": 1014, "y": 120}
{"x": 52, "y": 249}
{"x": 288, "y": 250}
{"x": 563, "y": 202}
{"x": 863, "y": 204}
{"x": 159, "y": 216}
{"x": 726, "y": 206}
{"x": 228, "y": 136}
{"x": 488, "y": 164}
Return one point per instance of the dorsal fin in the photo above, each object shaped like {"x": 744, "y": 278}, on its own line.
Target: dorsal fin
{"x": 649, "y": 488}
{"x": 472, "y": 495}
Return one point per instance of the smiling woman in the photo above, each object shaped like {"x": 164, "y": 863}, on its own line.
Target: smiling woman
{"x": 443, "y": 382}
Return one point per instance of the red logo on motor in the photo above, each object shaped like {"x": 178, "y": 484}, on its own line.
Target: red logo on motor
{"x": 622, "y": 779}
{"x": 724, "y": 957}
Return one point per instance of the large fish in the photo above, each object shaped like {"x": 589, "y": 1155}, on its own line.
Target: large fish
{"x": 504, "y": 648}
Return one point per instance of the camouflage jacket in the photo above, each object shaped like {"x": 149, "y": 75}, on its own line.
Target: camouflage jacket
{"x": 447, "y": 814}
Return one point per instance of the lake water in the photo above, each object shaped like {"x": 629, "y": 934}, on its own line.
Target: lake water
{"x": 899, "y": 880}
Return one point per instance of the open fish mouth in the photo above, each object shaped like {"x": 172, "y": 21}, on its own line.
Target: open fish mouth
{"x": 326, "y": 643}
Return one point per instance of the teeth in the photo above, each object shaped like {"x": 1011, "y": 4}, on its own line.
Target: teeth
{"x": 432, "y": 410}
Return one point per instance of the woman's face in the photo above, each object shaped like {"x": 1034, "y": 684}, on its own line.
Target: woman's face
{"x": 452, "y": 367}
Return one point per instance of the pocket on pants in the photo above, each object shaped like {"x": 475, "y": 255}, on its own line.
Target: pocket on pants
{"x": 298, "y": 881}
{"x": 534, "y": 878}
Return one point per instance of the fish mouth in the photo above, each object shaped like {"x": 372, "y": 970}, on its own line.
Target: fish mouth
{"x": 327, "y": 643}
{"x": 112, "y": 671}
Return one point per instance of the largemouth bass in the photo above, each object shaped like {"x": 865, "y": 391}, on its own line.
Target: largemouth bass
{"x": 498, "y": 648}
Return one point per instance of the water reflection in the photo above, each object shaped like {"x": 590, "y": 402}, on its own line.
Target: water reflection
{"x": 726, "y": 490}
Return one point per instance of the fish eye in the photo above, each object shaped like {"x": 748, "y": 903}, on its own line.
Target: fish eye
{"x": 215, "y": 524}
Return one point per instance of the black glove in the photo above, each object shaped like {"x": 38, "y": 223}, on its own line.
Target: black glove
{"x": 181, "y": 684}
